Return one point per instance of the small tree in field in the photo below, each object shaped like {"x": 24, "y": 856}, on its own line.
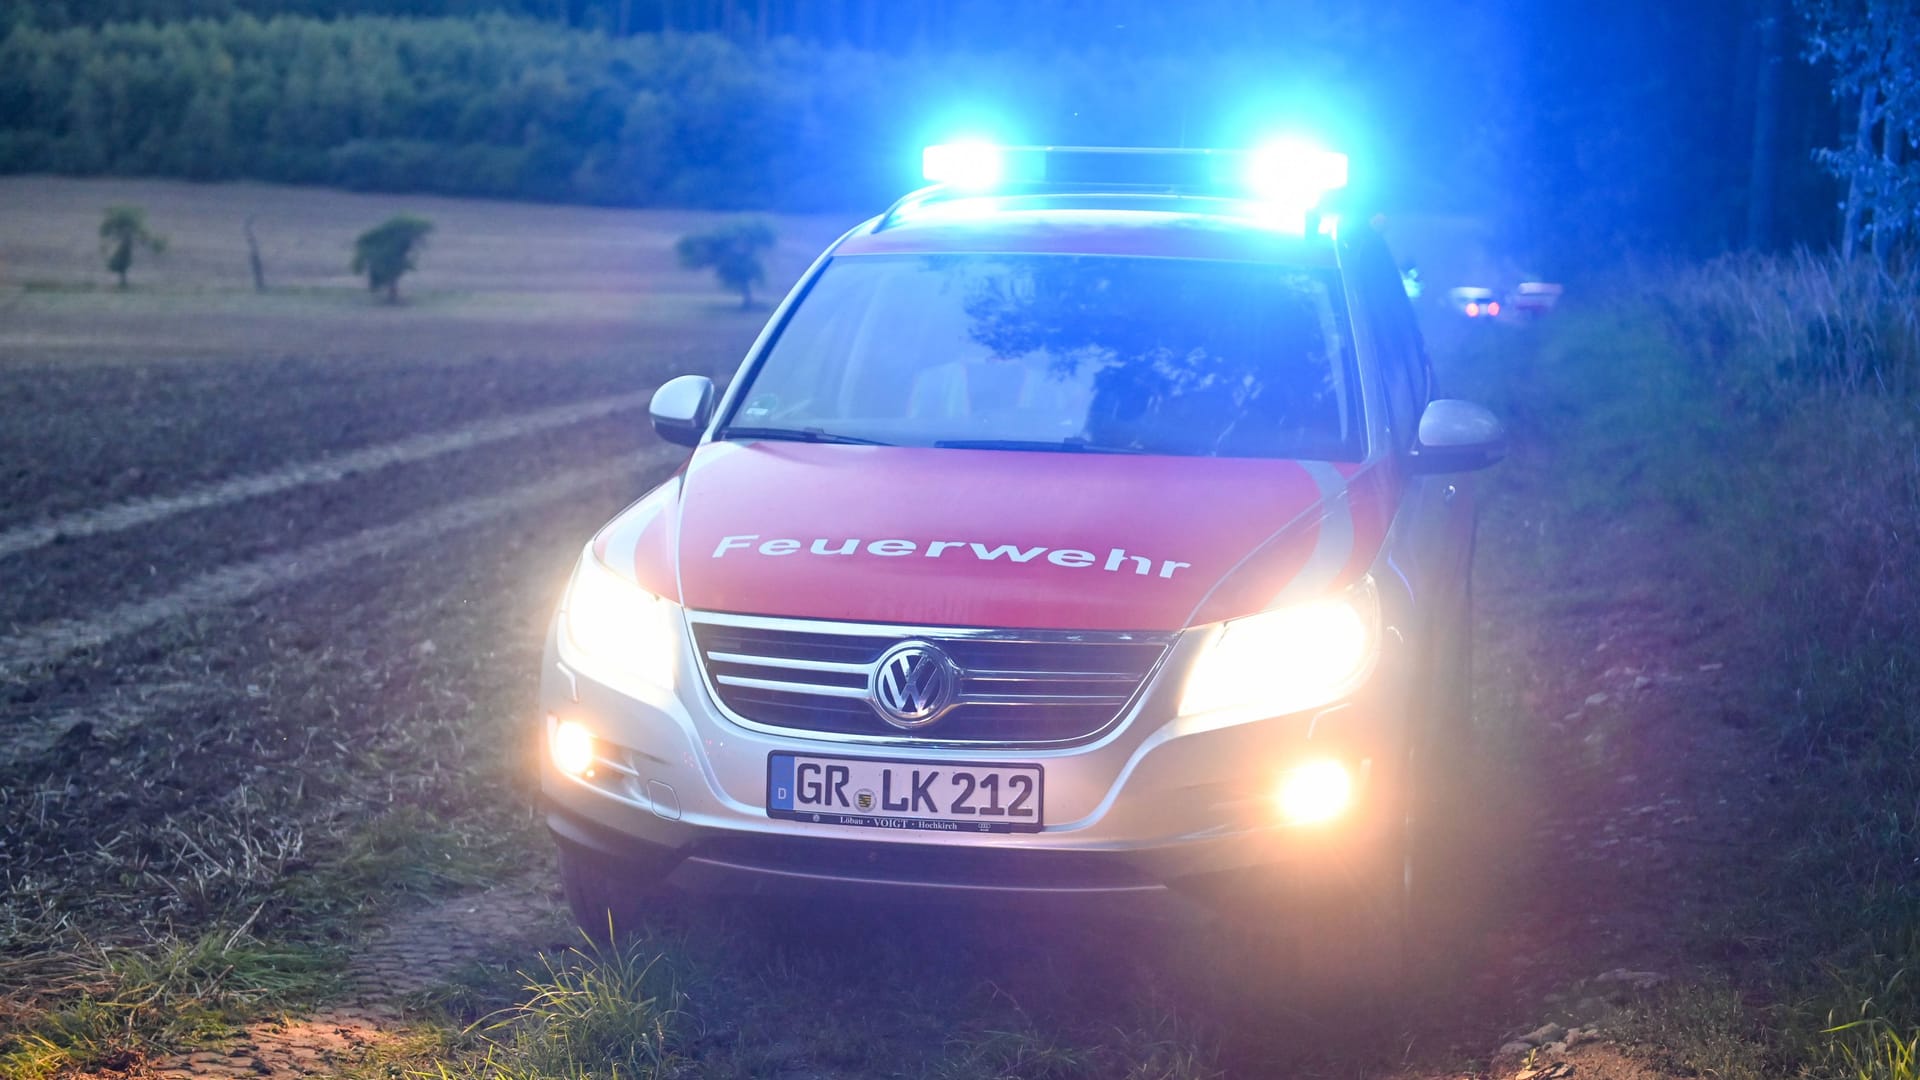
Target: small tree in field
{"x": 123, "y": 229}
{"x": 388, "y": 250}
{"x": 733, "y": 252}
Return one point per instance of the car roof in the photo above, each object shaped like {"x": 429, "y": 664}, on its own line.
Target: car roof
{"x": 1151, "y": 225}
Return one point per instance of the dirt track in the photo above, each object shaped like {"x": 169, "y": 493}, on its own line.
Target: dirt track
{"x": 165, "y": 454}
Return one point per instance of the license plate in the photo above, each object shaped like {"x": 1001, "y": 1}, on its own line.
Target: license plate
{"x": 942, "y": 796}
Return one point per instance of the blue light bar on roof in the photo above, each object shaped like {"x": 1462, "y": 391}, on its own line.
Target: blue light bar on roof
{"x": 1290, "y": 173}
{"x": 1294, "y": 172}
{"x": 973, "y": 164}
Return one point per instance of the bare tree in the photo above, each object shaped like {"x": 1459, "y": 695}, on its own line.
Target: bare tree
{"x": 253, "y": 257}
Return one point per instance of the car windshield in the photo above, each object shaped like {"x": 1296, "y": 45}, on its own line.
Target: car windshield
{"x": 1117, "y": 354}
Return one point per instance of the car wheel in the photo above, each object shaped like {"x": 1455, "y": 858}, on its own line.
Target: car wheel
{"x": 610, "y": 897}
{"x": 1397, "y": 918}
{"x": 1335, "y": 938}
{"x": 1351, "y": 941}
{"x": 1446, "y": 812}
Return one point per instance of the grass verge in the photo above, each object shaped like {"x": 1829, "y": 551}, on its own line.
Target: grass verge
{"x": 591, "y": 1012}
{"x": 112, "y": 1006}
{"x": 1761, "y": 419}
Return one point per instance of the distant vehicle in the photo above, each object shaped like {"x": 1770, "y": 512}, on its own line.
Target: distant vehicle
{"x": 1474, "y": 302}
{"x": 974, "y": 584}
{"x": 1534, "y": 298}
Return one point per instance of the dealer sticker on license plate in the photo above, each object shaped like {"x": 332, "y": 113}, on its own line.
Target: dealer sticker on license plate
{"x": 944, "y": 796}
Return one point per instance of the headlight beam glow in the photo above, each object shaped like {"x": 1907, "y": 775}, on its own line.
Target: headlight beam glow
{"x": 1288, "y": 659}
{"x": 571, "y": 746}
{"x": 617, "y": 628}
{"x": 1314, "y": 792}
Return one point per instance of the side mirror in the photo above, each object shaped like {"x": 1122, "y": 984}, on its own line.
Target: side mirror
{"x": 681, "y": 409}
{"x": 1457, "y": 436}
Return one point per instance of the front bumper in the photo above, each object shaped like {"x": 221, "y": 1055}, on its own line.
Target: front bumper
{"x": 1145, "y": 809}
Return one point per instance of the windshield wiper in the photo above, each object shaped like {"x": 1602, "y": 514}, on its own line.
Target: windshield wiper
{"x": 1072, "y": 446}
{"x": 812, "y": 435}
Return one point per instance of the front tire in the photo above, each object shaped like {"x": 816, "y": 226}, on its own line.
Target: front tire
{"x": 1351, "y": 937}
{"x": 1448, "y": 818}
{"x": 610, "y": 897}
{"x": 1398, "y": 915}
{"x": 1332, "y": 948}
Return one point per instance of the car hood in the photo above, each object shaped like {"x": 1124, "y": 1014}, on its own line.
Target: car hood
{"x": 992, "y": 538}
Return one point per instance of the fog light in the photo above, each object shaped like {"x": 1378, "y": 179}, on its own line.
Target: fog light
{"x": 1314, "y": 792}
{"x": 571, "y": 745}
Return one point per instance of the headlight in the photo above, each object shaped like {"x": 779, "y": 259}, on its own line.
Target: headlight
{"x": 617, "y": 627}
{"x": 1290, "y": 658}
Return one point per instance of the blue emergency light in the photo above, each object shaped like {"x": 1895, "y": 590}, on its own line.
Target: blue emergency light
{"x": 1294, "y": 172}
{"x": 974, "y": 164}
{"x": 1289, "y": 173}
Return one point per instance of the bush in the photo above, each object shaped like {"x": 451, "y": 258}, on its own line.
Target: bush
{"x": 732, "y": 252}
{"x": 388, "y": 250}
{"x": 123, "y": 229}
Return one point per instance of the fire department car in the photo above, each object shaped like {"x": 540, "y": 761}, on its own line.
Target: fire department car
{"x": 1087, "y": 523}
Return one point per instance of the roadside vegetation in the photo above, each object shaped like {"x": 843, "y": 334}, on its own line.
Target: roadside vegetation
{"x": 588, "y": 1012}
{"x": 200, "y": 924}
{"x": 1758, "y": 419}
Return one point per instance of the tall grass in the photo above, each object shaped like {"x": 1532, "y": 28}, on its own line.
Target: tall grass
{"x": 1764, "y": 412}
{"x": 116, "y": 1005}
{"x": 1786, "y": 325}
{"x": 597, "y": 1011}
{"x": 1826, "y": 358}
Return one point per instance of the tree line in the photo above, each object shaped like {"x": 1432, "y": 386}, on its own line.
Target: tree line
{"x": 492, "y": 106}
{"x": 468, "y": 107}
{"x": 871, "y": 25}
{"x": 499, "y": 106}
{"x": 1645, "y": 126}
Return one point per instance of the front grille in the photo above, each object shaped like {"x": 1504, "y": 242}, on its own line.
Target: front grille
{"x": 1014, "y": 687}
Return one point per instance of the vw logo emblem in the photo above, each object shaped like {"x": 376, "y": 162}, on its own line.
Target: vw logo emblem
{"x": 913, "y": 684}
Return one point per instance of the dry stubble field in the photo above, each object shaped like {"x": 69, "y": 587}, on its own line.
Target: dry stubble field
{"x": 273, "y": 574}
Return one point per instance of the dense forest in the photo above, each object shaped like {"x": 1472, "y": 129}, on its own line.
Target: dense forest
{"x": 1571, "y": 128}
{"x": 885, "y": 25}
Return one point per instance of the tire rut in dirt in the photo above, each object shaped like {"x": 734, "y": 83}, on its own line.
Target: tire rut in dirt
{"x": 331, "y": 468}
{"x": 390, "y": 684}
{"x": 47, "y": 645}
{"x": 81, "y": 577}
{"x": 80, "y": 435}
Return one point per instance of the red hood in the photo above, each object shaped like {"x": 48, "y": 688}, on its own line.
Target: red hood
{"x": 994, "y": 538}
